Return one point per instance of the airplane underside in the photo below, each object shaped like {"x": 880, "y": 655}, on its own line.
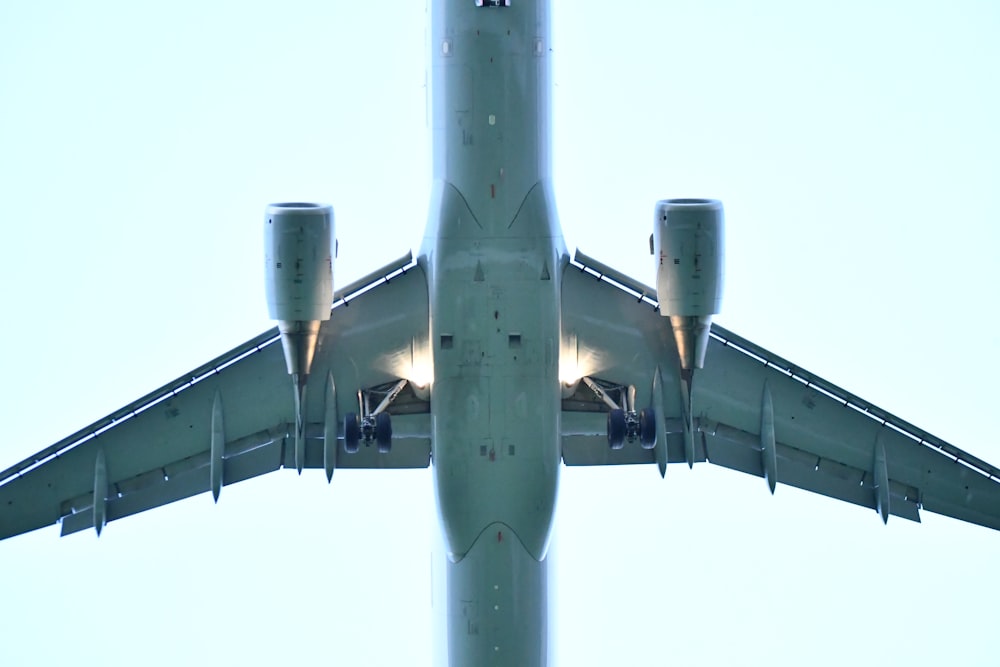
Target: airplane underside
{"x": 497, "y": 358}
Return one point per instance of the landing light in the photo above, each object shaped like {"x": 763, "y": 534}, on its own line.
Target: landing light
{"x": 575, "y": 362}
{"x": 414, "y": 365}
{"x": 421, "y": 375}
{"x": 418, "y": 370}
{"x": 573, "y": 367}
{"x": 569, "y": 373}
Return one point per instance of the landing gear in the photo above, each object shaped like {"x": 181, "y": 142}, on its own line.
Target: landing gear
{"x": 374, "y": 426}
{"x": 632, "y": 426}
{"x": 624, "y": 422}
{"x": 352, "y": 433}
{"x": 647, "y": 428}
{"x": 383, "y": 432}
{"x": 617, "y": 428}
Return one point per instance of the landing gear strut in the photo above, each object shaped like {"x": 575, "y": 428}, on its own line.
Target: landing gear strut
{"x": 624, "y": 422}
{"x": 375, "y": 426}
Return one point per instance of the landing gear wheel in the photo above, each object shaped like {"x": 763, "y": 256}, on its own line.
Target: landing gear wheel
{"x": 383, "y": 432}
{"x": 352, "y": 433}
{"x": 616, "y": 429}
{"x": 647, "y": 428}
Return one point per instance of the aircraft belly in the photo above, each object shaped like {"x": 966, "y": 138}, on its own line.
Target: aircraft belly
{"x": 496, "y": 459}
{"x": 497, "y": 602}
{"x": 492, "y": 251}
{"x": 495, "y": 328}
{"x": 490, "y": 88}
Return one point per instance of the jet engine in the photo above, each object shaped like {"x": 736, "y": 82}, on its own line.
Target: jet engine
{"x": 299, "y": 247}
{"x": 687, "y": 245}
{"x": 298, "y": 257}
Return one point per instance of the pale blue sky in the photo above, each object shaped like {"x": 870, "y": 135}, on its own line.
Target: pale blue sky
{"x": 856, "y": 151}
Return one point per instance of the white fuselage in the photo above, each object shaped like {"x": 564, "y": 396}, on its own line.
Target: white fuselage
{"x": 493, "y": 253}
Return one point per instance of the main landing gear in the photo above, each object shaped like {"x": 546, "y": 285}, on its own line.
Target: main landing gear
{"x": 630, "y": 425}
{"x": 371, "y": 426}
{"x": 624, "y": 422}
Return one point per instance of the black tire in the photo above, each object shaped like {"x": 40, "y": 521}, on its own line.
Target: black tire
{"x": 383, "y": 432}
{"x": 616, "y": 429}
{"x": 352, "y": 433}
{"x": 647, "y": 428}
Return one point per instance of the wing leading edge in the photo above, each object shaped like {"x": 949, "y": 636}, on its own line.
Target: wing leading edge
{"x": 234, "y": 418}
{"x": 753, "y": 411}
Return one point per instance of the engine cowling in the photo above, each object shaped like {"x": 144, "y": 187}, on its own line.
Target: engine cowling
{"x": 688, "y": 247}
{"x": 299, "y": 249}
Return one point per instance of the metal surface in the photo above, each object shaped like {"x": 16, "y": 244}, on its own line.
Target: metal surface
{"x": 331, "y": 423}
{"x": 643, "y": 294}
{"x": 768, "y": 443}
{"x": 490, "y": 306}
{"x": 217, "y": 448}
{"x": 824, "y": 436}
{"x": 253, "y": 346}
{"x": 175, "y": 424}
{"x": 691, "y": 333}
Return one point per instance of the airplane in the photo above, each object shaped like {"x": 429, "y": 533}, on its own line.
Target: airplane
{"x": 339, "y": 480}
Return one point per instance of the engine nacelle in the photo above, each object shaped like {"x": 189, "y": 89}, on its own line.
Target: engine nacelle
{"x": 687, "y": 245}
{"x": 298, "y": 258}
{"x": 298, "y": 255}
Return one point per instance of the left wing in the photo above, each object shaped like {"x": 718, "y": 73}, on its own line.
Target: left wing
{"x": 234, "y": 418}
{"x": 751, "y": 411}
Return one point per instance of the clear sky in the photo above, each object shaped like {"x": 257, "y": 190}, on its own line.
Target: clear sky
{"x": 856, "y": 150}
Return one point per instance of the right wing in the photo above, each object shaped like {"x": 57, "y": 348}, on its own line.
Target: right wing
{"x": 753, "y": 411}
{"x": 234, "y": 418}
